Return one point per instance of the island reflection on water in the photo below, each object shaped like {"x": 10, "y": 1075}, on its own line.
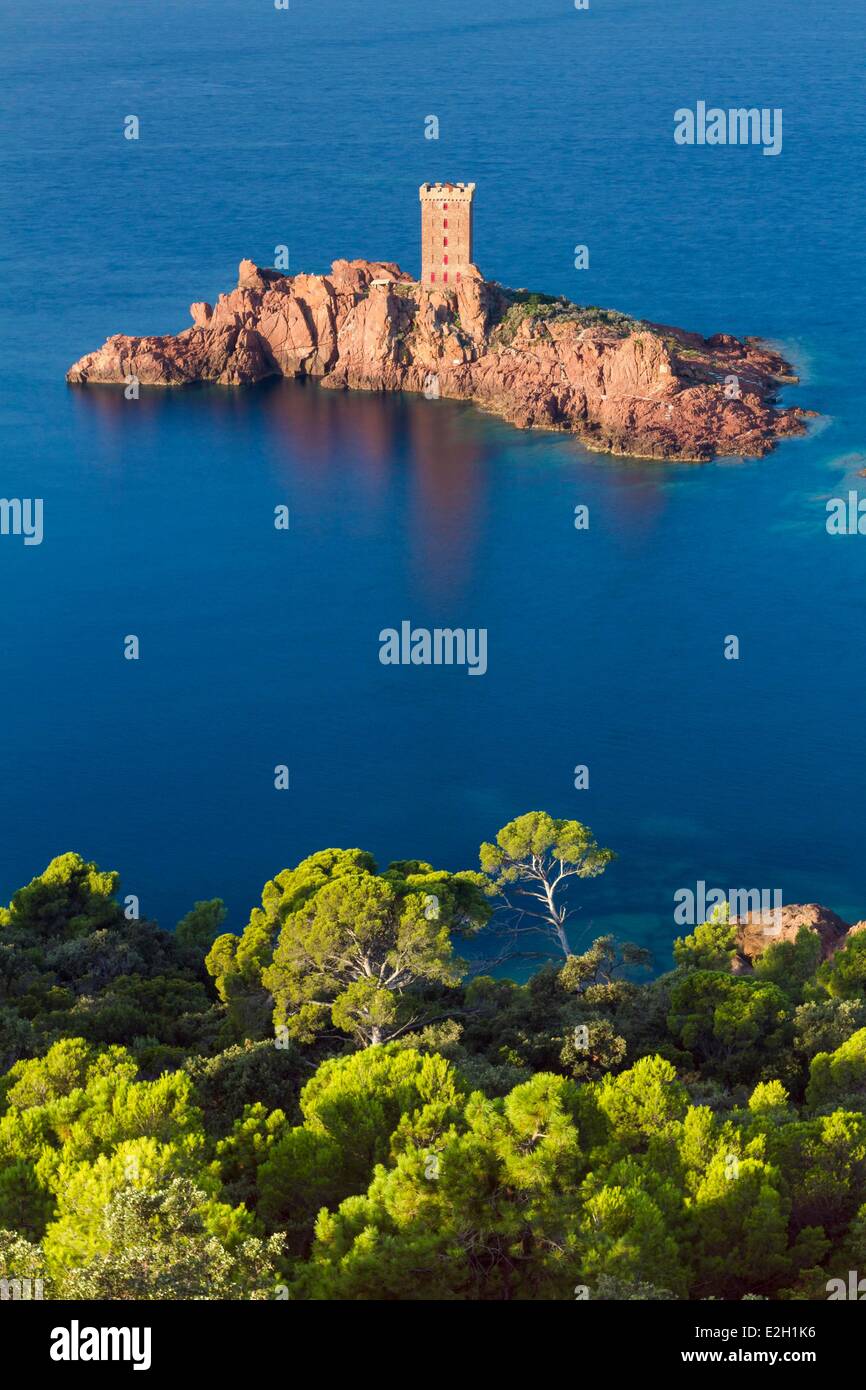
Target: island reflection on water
{"x": 444, "y": 451}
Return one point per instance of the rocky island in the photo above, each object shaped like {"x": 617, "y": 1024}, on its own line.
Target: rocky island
{"x": 622, "y": 386}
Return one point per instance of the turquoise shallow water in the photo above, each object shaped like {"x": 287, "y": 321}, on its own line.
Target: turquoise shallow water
{"x": 306, "y": 128}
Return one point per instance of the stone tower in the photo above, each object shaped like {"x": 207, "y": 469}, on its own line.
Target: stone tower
{"x": 446, "y": 232}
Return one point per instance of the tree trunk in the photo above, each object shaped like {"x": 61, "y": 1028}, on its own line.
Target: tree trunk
{"x": 555, "y": 920}
{"x": 563, "y": 940}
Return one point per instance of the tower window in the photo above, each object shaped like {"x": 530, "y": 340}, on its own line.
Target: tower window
{"x": 445, "y": 260}
{"x": 445, "y": 276}
{"x": 445, "y": 222}
{"x": 445, "y": 241}
{"x": 432, "y": 276}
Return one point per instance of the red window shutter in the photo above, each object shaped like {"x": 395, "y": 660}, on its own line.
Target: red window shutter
{"x": 432, "y": 276}
{"x": 445, "y": 276}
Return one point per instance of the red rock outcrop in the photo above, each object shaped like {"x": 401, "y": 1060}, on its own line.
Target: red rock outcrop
{"x": 755, "y": 935}
{"x": 623, "y": 386}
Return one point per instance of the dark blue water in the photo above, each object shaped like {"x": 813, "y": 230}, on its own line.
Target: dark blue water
{"x": 261, "y": 127}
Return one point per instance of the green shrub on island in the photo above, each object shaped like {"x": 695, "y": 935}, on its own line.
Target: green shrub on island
{"x": 516, "y": 307}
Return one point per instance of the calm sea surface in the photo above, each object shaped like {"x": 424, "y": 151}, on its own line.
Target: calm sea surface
{"x": 306, "y": 128}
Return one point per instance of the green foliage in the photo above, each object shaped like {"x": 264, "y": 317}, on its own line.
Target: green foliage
{"x": 699, "y": 1136}
{"x": 592, "y": 1050}
{"x": 791, "y": 964}
{"x": 624, "y": 1291}
{"x": 483, "y": 1216}
{"x": 70, "y": 900}
{"x": 711, "y": 945}
{"x": 536, "y": 836}
{"x": 200, "y": 927}
{"x": 536, "y": 855}
{"x": 517, "y": 307}
{"x": 836, "y": 1077}
{"x": 157, "y": 1245}
{"x": 734, "y": 1028}
{"x": 353, "y": 952}
{"x": 844, "y": 976}
{"x": 746, "y": 1213}
{"x": 72, "y": 964}
{"x": 241, "y": 1154}
{"x": 823, "y": 1025}
{"x": 21, "y": 1260}
{"x": 244, "y": 1074}
{"x": 236, "y": 963}
{"x": 337, "y": 944}
{"x": 591, "y": 974}
{"x": 356, "y": 1112}
{"x": 770, "y": 1099}
{"x": 646, "y": 1102}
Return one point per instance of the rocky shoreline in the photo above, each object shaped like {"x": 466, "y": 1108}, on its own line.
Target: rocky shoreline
{"x": 621, "y": 385}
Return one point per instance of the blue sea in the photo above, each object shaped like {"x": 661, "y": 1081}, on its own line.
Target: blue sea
{"x": 306, "y": 128}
